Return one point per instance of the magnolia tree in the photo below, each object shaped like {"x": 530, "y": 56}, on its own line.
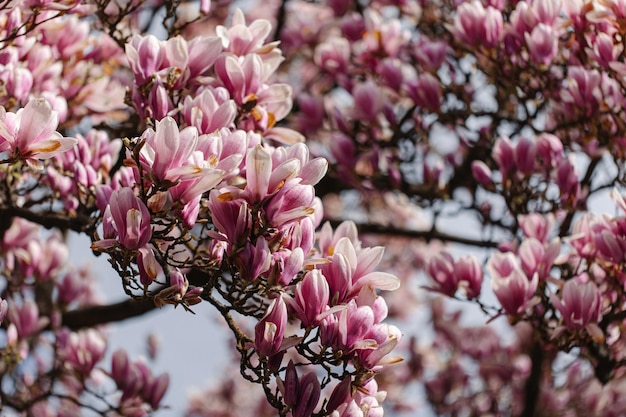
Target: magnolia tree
{"x": 255, "y": 161}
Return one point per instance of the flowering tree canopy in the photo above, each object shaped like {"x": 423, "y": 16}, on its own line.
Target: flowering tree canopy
{"x": 319, "y": 174}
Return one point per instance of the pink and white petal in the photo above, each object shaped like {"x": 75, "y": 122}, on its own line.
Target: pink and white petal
{"x": 37, "y": 122}
{"x": 284, "y": 135}
{"x": 379, "y": 280}
{"x": 46, "y": 149}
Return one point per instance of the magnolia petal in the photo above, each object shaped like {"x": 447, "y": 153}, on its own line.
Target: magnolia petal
{"x": 258, "y": 172}
{"x": 284, "y": 135}
{"x": 46, "y": 149}
{"x": 379, "y": 280}
{"x": 282, "y": 174}
{"x": 37, "y": 120}
{"x": 314, "y": 171}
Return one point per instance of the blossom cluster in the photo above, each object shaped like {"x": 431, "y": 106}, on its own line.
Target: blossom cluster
{"x": 208, "y": 172}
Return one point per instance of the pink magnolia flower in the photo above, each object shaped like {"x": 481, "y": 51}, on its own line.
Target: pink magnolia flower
{"x": 253, "y": 260}
{"x": 504, "y": 154}
{"x": 469, "y": 274}
{"x": 207, "y": 114}
{"x": 536, "y": 225}
{"x": 549, "y": 149}
{"x": 242, "y": 39}
{"x": 567, "y": 180}
{"x": 311, "y": 298}
{"x": 83, "y": 350}
{"x": 45, "y": 260}
{"x": 391, "y": 74}
{"x": 168, "y": 150}
{"x": 128, "y": 217}
{"x": 542, "y": 44}
{"x": 604, "y": 50}
{"x": 301, "y": 394}
{"x": 287, "y": 265}
{"x": 431, "y": 53}
{"x": 145, "y": 56}
{"x": 476, "y": 25}
{"x": 269, "y": 331}
{"x": 537, "y": 257}
{"x": 265, "y": 178}
{"x": 72, "y": 287}
{"x": 583, "y": 95}
{"x": 512, "y": 287}
{"x": 26, "y": 318}
{"x": 441, "y": 270}
{"x": 241, "y": 77}
{"x": 351, "y": 327}
{"x": 148, "y": 266}
{"x": 155, "y": 390}
{"x": 583, "y": 231}
{"x": 368, "y": 101}
{"x": 579, "y": 302}
{"x": 387, "y": 35}
{"x": 365, "y": 402}
{"x": 293, "y": 202}
{"x": 351, "y": 270}
{"x": 30, "y": 134}
{"x": 333, "y": 55}
{"x": 482, "y": 173}
{"x": 425, "y": 91}
{"x": 17, "y": 81}
{"x": 385, "y": 338}
{"x": 546, "y": 11}
{"x": 232, "y": 218}
{"x": 525, "y": 153}
{"x": 203, "y": 51}
{"x": 137, "y": 382}
{"x": 341, "y": 394}
{"x": 328, "y": 239}
{"x": 120, "y": 365}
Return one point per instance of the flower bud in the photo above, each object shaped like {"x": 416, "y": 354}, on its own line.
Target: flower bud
{"x": 269, "y": 331}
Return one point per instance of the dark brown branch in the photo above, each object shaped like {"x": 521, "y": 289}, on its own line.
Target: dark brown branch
{"x": 97, "y": 315}
{"x": 280, "y": 19}
{"x": 584, "y": 183}
{"x": 533, "y": 383}
{"x": 427, "y": 235}
{"x": 80, "y": 223}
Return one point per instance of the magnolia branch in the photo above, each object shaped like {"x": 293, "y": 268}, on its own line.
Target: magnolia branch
{"x": 427, "y": 235}
{"x": 103, "y": 314}
{"x": 533, "y": 383}
{"x": 79, "y": 223}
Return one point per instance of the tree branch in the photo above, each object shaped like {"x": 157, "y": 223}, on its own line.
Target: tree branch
{"x": 97, "y": 315}
{"x": 532, "y": 386}
{"x": 280, "y": 19}
{"x": 79, "y": 223}
{"x": 427, "y": 235}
